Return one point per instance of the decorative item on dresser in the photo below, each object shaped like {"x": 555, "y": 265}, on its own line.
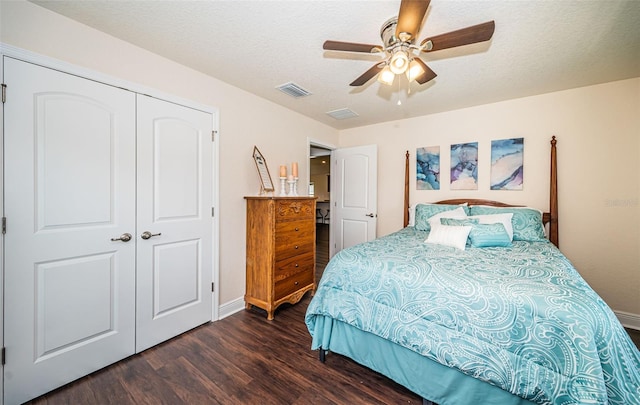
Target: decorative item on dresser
{"x": 266, "y": 185}
{"x": 281, "y": 251}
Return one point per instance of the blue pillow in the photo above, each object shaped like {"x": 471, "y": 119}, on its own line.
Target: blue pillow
{"x": 527, "y": 222}
{"x": 426, "y": 211}
{"x": 488, "y": 235}
{"x": 459, "y": 222}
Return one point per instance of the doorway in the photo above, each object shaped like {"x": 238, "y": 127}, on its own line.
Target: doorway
{"x": 349, "y": 197}
{"x": 320, "y": 187}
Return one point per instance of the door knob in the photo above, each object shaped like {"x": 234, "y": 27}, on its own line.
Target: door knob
{"x": 147, "y": 234}
{"x": 125, "y": 237}
{"x": 370, "y": 215}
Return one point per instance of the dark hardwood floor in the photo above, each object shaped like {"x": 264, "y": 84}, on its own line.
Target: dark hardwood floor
{"x": 635, "y": 336}
{"x": 242, "y": 359}
{"x": 322, "y": 248}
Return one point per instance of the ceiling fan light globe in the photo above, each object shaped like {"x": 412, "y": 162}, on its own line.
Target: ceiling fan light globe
{"x": 399, "y": 62}
{"x": 386, "y": 76}
{"x": 415, "y": 70}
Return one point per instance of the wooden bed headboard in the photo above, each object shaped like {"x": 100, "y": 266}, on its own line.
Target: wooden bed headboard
{"x": 550, "y": 217}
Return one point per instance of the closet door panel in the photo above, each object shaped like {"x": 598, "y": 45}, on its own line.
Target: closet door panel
{"x": 69, "y": 190}
{"x": 176, "y": 174}
{"x": 83, "y": 171}
{"x": 174, "y": 263}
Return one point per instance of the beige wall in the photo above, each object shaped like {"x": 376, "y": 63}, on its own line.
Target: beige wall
{"x": 598, "y": 131}
{"x": 280, "y": 134}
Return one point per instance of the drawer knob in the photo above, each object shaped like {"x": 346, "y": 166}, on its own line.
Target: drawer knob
{"x": 296, "y": 246}
{"x": 296, "y": 264}
{"x": 297, "y": 229}
{"x": 296, "y": 283}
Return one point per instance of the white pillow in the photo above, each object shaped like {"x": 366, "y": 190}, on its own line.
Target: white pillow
{"x": 504, "y": 219}
{"x": 458, "y": 213}
{"x": 455, "y": 236}
{"x": 412, "y": 214}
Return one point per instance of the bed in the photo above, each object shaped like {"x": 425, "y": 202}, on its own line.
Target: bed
{"x": 496, "y": 322}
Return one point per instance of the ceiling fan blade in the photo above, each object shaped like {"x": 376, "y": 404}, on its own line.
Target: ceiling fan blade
{"x": 428, "y": 73}
{"x": 350, "y": 47}
{"x": 410, "y": 18}
{"x": 366, "y": 76}
{"x": 465, "y": 36}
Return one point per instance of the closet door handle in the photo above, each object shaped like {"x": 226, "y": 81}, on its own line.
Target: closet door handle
{"x": 148, "y": 235}
{"x": 125, "y": 237}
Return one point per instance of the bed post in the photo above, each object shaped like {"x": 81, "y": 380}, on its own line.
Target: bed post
{"x": 553, "y": 194}
{"x": 406, "y": 190}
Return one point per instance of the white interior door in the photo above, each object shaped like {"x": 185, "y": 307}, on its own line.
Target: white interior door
{"x": 354, "y": 196}
{"x": 174, "y": 270}
{"x": 69, "y": 191}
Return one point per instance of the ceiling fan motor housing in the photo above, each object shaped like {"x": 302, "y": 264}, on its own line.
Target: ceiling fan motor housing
{"x": 388, "y": 32}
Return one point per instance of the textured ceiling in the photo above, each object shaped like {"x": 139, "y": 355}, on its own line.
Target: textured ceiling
{"x": 538, "y": 47}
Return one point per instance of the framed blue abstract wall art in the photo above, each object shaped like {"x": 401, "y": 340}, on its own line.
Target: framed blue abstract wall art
{"x": 464, "y": 166}
{"x": 507, "y": 169}
{"x": 428, "y": 168}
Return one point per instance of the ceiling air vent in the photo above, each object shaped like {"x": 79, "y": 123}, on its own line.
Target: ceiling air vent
{"x": 342, "y": 114}
{"x": 293, "y": 90}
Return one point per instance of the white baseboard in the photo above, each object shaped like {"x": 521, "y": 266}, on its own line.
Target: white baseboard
{"x": 230, "y": 308}
{"x": 628, "y": 320}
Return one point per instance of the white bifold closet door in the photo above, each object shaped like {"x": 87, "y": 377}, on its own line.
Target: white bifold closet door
{"x": 70, "y": 187}
{"x": 85, "y": 177}
{"x": 174, "y": 267}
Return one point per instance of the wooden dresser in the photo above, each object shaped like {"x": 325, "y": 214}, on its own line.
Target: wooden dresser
{"x": 281, "y": 251}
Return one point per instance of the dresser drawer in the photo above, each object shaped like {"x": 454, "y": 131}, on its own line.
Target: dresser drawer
{"x": 292, "y": 265}
{"x": 288, "y": 210}
{"x": 294, "y": 237}
{"x": 293, "y": 283}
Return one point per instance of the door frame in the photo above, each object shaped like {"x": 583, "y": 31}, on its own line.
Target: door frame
{"x": 322, "y": 144}
{"x": 48, "y": 62}
{"x": 1, "y": 233}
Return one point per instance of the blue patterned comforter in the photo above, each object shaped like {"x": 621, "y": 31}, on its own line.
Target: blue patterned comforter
{"x": 520, "y": 318}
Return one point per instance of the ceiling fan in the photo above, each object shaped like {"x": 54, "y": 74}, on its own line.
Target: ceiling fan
{"x": 399, "y": 36}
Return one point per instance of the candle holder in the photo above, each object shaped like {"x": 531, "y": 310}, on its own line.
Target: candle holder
{"x": 293, "y": 187}
{"x": 283, "y": 187}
